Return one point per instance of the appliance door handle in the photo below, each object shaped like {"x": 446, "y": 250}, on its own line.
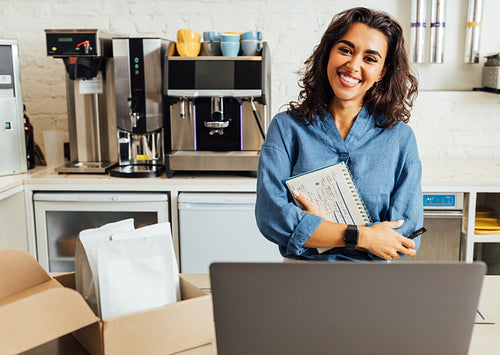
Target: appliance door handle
{"x": 443, "y": 214}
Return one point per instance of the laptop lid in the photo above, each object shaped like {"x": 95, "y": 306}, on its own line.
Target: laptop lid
{"x": 345, "y": 308}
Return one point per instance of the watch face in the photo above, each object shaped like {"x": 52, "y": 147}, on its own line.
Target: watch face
{"x": 351, "y": 236}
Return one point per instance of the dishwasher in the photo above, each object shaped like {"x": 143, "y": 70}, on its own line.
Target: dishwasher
{"x": 220, "y": 227}
{"x": 443, "y": 219}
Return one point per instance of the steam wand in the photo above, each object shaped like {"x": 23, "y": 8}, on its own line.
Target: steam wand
{"x": 255, "y": 115}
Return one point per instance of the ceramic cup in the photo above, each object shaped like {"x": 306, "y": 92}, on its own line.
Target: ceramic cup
{"x": 188, "y": 49}
{"x": 257, "y": 35}
{"x": 230, "y": 49}
{"x": 251, "y": 47}
{"x": 230, "y": 37}
{"x": 210, "y": 48}
{"x": 186, "y": 35}
{"x": 211, "y": 36}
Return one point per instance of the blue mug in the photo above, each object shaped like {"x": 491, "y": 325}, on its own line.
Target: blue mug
{"x": 230, "y": 49}
{"x": 229, "y": 37}
{"x": 251, "y": 35}
{"x": 210, "y": 36}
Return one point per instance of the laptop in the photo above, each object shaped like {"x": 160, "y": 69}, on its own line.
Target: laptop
{"x": 345, "y": 308}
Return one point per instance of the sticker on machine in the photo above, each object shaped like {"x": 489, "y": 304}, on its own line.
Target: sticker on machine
{"x": 91, "y": 86}
{"x": 5, "y": 79}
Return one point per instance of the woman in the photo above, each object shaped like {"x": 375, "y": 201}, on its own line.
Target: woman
{"x": 357, "y": 90}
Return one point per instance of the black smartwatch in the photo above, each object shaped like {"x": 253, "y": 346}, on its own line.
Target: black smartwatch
{"x": 351, "y": 236}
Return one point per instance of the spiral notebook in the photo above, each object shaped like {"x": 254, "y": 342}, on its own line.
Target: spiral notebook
{"x": 332, "y": 190}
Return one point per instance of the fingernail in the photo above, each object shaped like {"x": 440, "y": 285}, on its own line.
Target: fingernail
{"x": 295, "y": 194}
{"x": 401, "y": 221}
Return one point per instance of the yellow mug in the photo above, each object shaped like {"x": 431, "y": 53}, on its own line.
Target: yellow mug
{"x": 188, "y": 49}
{"x": 186, "y": 35}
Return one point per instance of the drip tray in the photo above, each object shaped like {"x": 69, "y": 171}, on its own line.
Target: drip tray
{"x": 137, "y": 171}
{"x": 87, "y": 167}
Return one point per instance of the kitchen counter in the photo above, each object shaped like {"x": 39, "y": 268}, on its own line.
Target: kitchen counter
{"x": 438, "y": 175}
{"x": 485, "y": 337}
{"x": 474, "y": 177}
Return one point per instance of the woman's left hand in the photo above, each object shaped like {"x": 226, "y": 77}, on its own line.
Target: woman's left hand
{"x": 306, "y": 205}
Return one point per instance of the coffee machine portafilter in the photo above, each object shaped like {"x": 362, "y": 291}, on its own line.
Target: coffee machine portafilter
{"x": 219, "y": 111}
{"x": 140, "y": 113}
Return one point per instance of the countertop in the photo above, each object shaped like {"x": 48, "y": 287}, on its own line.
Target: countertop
{"x": 438, "y": 175}
{"x": 485, "y": 337}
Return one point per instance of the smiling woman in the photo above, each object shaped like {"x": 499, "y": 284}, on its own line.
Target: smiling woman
{"x": 357, "y": 92}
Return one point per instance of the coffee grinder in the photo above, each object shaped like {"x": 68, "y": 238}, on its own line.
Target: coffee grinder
{"x": 90, "y": 96}
{"x": 219, "y": 111}
{"x": 140, "y": 112}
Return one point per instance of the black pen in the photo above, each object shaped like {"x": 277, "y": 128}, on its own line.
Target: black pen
{"x": 417, "y": 233}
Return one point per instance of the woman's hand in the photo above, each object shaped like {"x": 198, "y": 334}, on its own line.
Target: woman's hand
{"x": 306, "y": 205}
{"x": 382, "y": 240}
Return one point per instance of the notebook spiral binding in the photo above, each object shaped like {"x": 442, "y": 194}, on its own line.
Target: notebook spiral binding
{"x": 354, "y": 190}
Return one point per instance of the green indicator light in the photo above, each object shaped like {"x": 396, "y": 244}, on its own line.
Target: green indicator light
{"x": 136, "y": 66}
{"x": 136, "y": 60}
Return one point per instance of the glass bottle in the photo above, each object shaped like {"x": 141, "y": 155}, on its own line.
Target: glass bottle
{"x": 30, "y": 143}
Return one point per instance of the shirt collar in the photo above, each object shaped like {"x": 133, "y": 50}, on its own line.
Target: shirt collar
{"x": 362, "y": 125}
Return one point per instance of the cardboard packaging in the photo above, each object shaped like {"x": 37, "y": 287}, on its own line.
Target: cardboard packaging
{"x": 35, "y": 308}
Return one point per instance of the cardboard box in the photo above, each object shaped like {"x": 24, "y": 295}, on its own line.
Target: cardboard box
{"x": 35, "y": 308}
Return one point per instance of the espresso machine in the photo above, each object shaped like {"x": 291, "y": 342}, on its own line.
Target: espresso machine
{"x": 219, "y": 111}
{"x": 12, "y": 144}
{"x": 86, "y": 56}
{"x": 140, "y": 108}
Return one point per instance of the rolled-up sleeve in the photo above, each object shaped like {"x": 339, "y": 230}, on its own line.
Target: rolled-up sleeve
{"x": 278, "y": 218}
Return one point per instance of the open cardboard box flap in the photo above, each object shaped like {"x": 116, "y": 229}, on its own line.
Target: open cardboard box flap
{"x": 34, "y": 309}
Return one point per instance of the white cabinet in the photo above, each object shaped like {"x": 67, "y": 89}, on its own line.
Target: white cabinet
{"x": 220, "y": 227}
{"x": 13, "y": 232}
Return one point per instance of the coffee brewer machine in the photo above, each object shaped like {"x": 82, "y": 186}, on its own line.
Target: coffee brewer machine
{"x": 140, "y": 111}
{"x": 12, "y": 144}
{"x": 90, "y": 95}
{"x": 219, "y": 111}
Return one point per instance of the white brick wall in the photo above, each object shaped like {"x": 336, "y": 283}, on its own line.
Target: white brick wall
{"x": 447, "y": 124}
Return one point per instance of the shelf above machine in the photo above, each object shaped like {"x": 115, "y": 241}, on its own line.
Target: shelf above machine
{"x": 218, "y": 57}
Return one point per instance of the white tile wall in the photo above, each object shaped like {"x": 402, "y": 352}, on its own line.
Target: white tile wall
{"x": 447, "y": 124}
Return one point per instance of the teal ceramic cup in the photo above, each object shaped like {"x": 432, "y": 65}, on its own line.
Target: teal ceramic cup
{"x": 210, "y": 36}
{"x": 251, "y": 47}
{"x": 229, "y": 37}
{"x": 230, "y": 49}
{"x": 251, "y": 35}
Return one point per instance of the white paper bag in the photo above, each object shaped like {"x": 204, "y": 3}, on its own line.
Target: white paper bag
{"x": 137, "y": 271}
{"x": 86, "y": 273}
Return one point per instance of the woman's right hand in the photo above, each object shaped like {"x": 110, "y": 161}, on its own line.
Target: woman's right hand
{"x": 382, "y": 240}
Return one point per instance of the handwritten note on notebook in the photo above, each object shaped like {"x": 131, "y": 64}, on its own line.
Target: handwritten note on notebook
{"x": 331, "y": 189}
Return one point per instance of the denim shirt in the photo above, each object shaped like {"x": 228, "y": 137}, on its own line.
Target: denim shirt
{"x": 384, "y": 163}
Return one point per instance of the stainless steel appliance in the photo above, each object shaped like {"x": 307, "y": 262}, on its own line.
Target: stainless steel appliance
{"x": 90, "y": 96}
{"x": 140, "y": 109}
{"x": 61, "y": 216}
{"x": 12, "y": 143}
{"x": 443, "y": 219}
{"x": 491, "y": 72}
{"x": 219, "y": 111}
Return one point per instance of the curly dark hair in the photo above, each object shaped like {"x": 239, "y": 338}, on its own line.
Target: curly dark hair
{"x": 390, "y": 99}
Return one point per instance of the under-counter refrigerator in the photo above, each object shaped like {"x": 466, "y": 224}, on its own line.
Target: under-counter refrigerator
{"x": 220, "y": 227}
{"x": 60, "y": 216}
